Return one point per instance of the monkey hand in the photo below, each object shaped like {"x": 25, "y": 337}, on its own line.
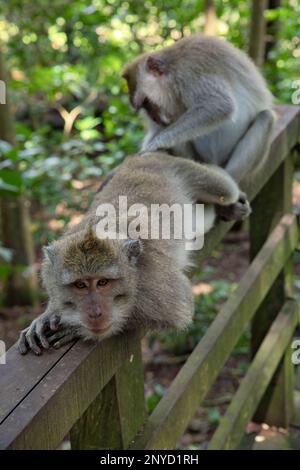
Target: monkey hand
{"x": 237, "y": 211}
{"x": 44, "y": 332}
{"x": 152, "y": 145}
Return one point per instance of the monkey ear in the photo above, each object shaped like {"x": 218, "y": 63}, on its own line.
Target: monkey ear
{"x": 156, "y": 66}
{"x": 49, "y": 253}
{"x": 133, "y": 249}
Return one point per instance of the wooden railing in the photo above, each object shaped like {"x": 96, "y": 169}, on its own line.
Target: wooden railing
{"x": 95, "y": 392}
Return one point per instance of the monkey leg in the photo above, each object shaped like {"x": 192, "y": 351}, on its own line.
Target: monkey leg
{"x": 253, "y": 146}
{"x": 167, "y": 301}
{"x": 65, "y": 335}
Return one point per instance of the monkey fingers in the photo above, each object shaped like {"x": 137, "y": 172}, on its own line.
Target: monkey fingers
{"x": 238, "y": 211}
{"x": 152, "y": 146}
{"x": 54, "y": 322}
{"x": 63, "y": 337}
{"x": 28, "y": 340}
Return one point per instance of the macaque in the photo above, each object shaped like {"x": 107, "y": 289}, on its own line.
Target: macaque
{"x": 204, "y": 100}
{"x": 98, "y": 286}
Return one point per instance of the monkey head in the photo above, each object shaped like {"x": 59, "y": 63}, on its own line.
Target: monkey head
{"x": 150, "y": 88}
{"x": 92, "y": 281}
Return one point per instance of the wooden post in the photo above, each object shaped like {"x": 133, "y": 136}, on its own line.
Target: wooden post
{"x": 257, "y": 32}
{"x": 271, "y": 203}
{"x": 117, "y": 414}
{"x": 210, "y": 26}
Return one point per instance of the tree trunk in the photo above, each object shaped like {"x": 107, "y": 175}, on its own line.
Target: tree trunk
{"x": 210, "y": 27}
{"x": 257, "y": 32}
{"x": 273, "y": 27}
{"x": 20, "y": 288}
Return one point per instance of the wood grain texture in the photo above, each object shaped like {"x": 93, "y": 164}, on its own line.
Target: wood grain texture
{"x": 55, "y": 403}
{"x": 118, "y": 412}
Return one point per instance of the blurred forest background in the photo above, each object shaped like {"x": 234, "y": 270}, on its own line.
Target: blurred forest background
{"x": 67, "y": 123}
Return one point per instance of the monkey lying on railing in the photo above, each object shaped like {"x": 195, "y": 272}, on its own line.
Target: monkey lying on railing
{"x": 98, "y": 287}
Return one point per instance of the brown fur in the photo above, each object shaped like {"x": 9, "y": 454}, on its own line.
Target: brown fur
{"x": 147, "y": 279}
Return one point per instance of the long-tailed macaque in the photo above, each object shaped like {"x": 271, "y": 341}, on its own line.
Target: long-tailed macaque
{"x": 99, "y": 286}
{"x": 204, "y": 100}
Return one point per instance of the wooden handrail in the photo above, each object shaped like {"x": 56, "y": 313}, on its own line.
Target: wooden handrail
{"x": 192, "y": 383}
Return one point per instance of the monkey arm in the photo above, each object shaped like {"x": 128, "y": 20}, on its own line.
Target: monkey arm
{"x": 253, "y": 146}
{"x": 152, "y": 130}
{"x": 209, "y": 107}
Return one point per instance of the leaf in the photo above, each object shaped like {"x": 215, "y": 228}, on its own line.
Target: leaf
{"x": 7, "y": 187}
{"x": 6, "y": 254}
{"x": 5, "y": 147}
{"x": 213, "y": 416}
{"x": 11, "y": 177}
{"x": 31, "y": 152}
{"x": 5, "y": 271}
{"x": 87, "y": 123}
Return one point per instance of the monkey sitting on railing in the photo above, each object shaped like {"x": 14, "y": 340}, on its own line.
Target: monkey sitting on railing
{"x": 205, "y": 100}
{"x": 99, "y": 285}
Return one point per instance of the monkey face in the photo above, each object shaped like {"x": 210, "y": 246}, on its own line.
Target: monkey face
{"x": 102, "y": 302}
{"x": 93, "y": 281}
{"x": 146, "y": 86}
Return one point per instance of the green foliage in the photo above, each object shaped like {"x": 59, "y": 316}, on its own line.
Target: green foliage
{"x": 154, "y": 397}
{"x": 213, "y": 415}
{"x": 283, "y": 61}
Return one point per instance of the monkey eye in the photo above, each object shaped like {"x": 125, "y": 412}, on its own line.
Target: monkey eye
{"x": 102, "y": 282}
{"x": 80, "y": 285}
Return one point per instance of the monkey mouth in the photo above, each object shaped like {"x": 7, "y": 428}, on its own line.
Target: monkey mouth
{"x": 153, "y": 111}
{"x": 98, "y": 330}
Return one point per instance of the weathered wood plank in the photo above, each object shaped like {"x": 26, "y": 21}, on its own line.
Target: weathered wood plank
{"x": 20, "y": 375}
{"x": 232, "y": 427}
{"x": 174, "y": 411}
{"x": 51, "y": 408}
{"x": 114, "y": 418}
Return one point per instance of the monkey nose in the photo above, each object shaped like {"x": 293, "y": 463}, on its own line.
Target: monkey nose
{"x": 97, "y": 312}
